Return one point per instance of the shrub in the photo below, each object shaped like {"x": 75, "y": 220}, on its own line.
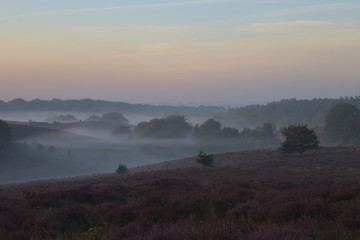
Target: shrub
{"x": 205, "y": 159}
{"x": 122, "y": 169}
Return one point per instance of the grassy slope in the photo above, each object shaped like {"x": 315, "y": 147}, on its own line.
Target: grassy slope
{"x": 248, "y": 195}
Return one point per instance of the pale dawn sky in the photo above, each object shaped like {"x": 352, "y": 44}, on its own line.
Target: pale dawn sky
{"x": 216, "y": 52}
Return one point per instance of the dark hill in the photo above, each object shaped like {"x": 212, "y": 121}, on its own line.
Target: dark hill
{"x": 23, "y": 131}
{"x": 90, "y": 105}
{"x": 247, "y": 195}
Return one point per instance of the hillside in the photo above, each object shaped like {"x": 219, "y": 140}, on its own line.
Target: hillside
{"x": 247, "y": 195}
{"x": 22, "y": 131}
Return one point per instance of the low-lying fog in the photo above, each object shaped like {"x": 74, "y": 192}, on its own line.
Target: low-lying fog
{"x": 94, "y": 150}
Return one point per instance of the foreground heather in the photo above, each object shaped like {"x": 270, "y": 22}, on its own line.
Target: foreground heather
{"x": 248, "y": 195}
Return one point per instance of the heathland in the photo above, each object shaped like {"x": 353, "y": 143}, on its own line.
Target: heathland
{"x": 260, "y": 194}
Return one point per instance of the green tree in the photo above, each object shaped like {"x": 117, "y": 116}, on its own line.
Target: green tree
{"x": 228, "y": 132}
{"x": 122, "y": 168}
{"x": 351, "y": 130}
{"x": 336, "y": 118}
{"x": 205, "y": 159}
{"x": 298, "y": 138}
{"x": 209, "y": 128}
{"x": 172, "y": 126}
{"x": 175, "y": 126}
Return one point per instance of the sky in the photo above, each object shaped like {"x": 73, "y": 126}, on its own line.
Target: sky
{"x": 209, "y": 52}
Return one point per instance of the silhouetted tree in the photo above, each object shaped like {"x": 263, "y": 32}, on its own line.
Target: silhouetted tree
{"x": 121, "y": 169}
{"x": 121, "y": 131}
{"x": 114, "y": 117}
{"x": 351, "y": 130}
{"x": 267, "y": 135}
{"x": 298, "y": 138}
{"x": 173, "y": 126}
{"x": 5, "y": 138}
{"x": 93, "y": 117}
{"x": 336, "y": 118}
{"x": 208, "y": 129}
{"x": 228, "y": 132}
{"x": 205, "y": 159}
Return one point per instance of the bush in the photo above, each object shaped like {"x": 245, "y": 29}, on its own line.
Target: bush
{"x": 205, "y": 159}
{"x": 122, "y": 168}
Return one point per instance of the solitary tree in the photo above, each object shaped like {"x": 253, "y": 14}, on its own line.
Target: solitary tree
{"x": 298, "y": 138}
{"x": 121, "y": 169}
{"x": 205, "y": 159}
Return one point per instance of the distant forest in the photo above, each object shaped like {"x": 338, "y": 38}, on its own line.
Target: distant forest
{"x": 281, "y": 113}
{"x": 284, "y": 112}
{"x": 89, "y": 105}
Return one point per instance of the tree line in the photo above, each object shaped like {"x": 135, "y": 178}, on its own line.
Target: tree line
{"x": 90, "y": 105}
{"x": 312, "y": 112}
{"x": 177, "y": 126}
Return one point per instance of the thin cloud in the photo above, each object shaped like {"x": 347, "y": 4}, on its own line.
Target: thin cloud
{"x": 288, "y": 26}
{"x": 169, "y": 46}
{"x": 159, "y": 5}
{"x": 309, "y": 9}
{"x": 306, "y": 23}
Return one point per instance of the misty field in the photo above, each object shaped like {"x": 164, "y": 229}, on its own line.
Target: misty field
{"x": 247, "y": 195}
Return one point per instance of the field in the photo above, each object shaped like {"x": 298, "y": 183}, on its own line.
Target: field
{"x": 247, "y": 195}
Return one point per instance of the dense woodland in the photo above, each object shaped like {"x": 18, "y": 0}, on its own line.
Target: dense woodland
{"x": 281, "y": 113}
{"x": 284, "y": 112}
